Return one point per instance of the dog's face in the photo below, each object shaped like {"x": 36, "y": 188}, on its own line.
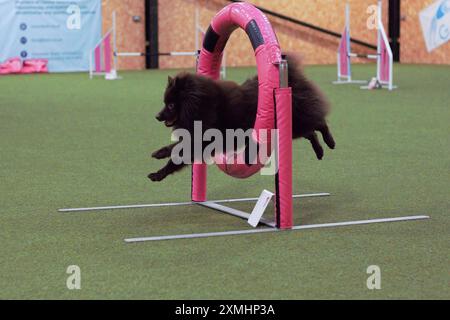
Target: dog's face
{"x": 189, "y": 98}
{"x": 170, "y": 112}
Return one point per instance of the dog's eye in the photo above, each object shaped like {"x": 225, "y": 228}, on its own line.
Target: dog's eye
{"x": 171, "y": 106}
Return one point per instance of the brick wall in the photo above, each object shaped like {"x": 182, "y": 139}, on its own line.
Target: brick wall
{"x": 176, "y": 23}
{"x": 130, "y": 34}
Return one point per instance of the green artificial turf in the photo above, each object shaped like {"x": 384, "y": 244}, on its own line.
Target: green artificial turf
{"x": 66, "y": 141}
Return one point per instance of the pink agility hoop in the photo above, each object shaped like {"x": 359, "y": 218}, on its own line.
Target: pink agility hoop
{"x": 274, "y": 104}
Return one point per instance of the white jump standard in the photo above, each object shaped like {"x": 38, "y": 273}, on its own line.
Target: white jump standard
{"x": 384, "y": 56}
{"x": 103, "y": 58}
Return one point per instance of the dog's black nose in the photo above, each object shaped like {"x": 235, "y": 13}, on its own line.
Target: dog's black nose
{"x": 159, "y": 117}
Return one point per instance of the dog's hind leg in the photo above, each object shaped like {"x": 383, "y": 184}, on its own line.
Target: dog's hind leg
{"x": 312, "y": 137}
{"x": 327, "y": 137}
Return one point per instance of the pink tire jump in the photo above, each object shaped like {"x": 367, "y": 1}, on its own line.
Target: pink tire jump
{"x": 274, "y": 104}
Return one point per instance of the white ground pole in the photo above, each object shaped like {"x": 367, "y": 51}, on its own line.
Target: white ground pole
{"x": 265, "y": 230}
{"x": 214, "y": 204}
{"x": 170, "y": 204}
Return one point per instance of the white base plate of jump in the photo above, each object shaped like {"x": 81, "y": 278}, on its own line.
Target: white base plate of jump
{"x": 260, "y": 206}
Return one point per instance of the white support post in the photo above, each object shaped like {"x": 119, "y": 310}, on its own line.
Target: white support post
{"x": 338, "y": 68}
{"x": 115, "y": 57}
{"x": 197, "y": 27}
{"x": 391, "y": 70}
{"x": 90, "y": 64}
{"x": 379, "y": 37}
{"x": 347, "y": 24}
{"x": 383, "y": 39}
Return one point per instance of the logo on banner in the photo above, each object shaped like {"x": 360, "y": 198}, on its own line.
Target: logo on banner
{"x": 74, "y": 20}
{"x": 435, "y": 21}
{"x": 372, "y": 20}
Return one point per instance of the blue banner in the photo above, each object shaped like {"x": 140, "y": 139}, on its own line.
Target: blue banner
{"x": 435, "y": 21}
{"x": 62, "y": 31}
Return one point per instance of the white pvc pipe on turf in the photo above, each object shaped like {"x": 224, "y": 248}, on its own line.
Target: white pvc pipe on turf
{"x": 264, "y": 230}
{"x": 136, "y": 206}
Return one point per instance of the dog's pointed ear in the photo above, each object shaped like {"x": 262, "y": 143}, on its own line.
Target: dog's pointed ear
{"x": 170, "y": 81}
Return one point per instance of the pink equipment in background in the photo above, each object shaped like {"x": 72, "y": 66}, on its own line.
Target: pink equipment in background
{"x": 17, "y": 66}
{"x": 35, "y": 66}
{"x": 344, "y": 63}
{"x": 384, "y": 56}
{"x": 103, "y": 58}
{"x": 12, "y": 65}
{"x": 102, "y": 54}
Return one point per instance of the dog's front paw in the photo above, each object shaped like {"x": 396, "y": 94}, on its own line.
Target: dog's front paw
{"x": 319, "y": 153}
{"x": 156, "y": 176}
{"x": 161, "y": 153}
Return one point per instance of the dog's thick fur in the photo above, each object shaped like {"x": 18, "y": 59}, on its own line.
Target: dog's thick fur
{"x": 226, "y": 105}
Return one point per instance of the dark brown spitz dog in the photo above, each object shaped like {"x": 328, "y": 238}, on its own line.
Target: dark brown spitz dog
{"x": 226, "y": 105}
